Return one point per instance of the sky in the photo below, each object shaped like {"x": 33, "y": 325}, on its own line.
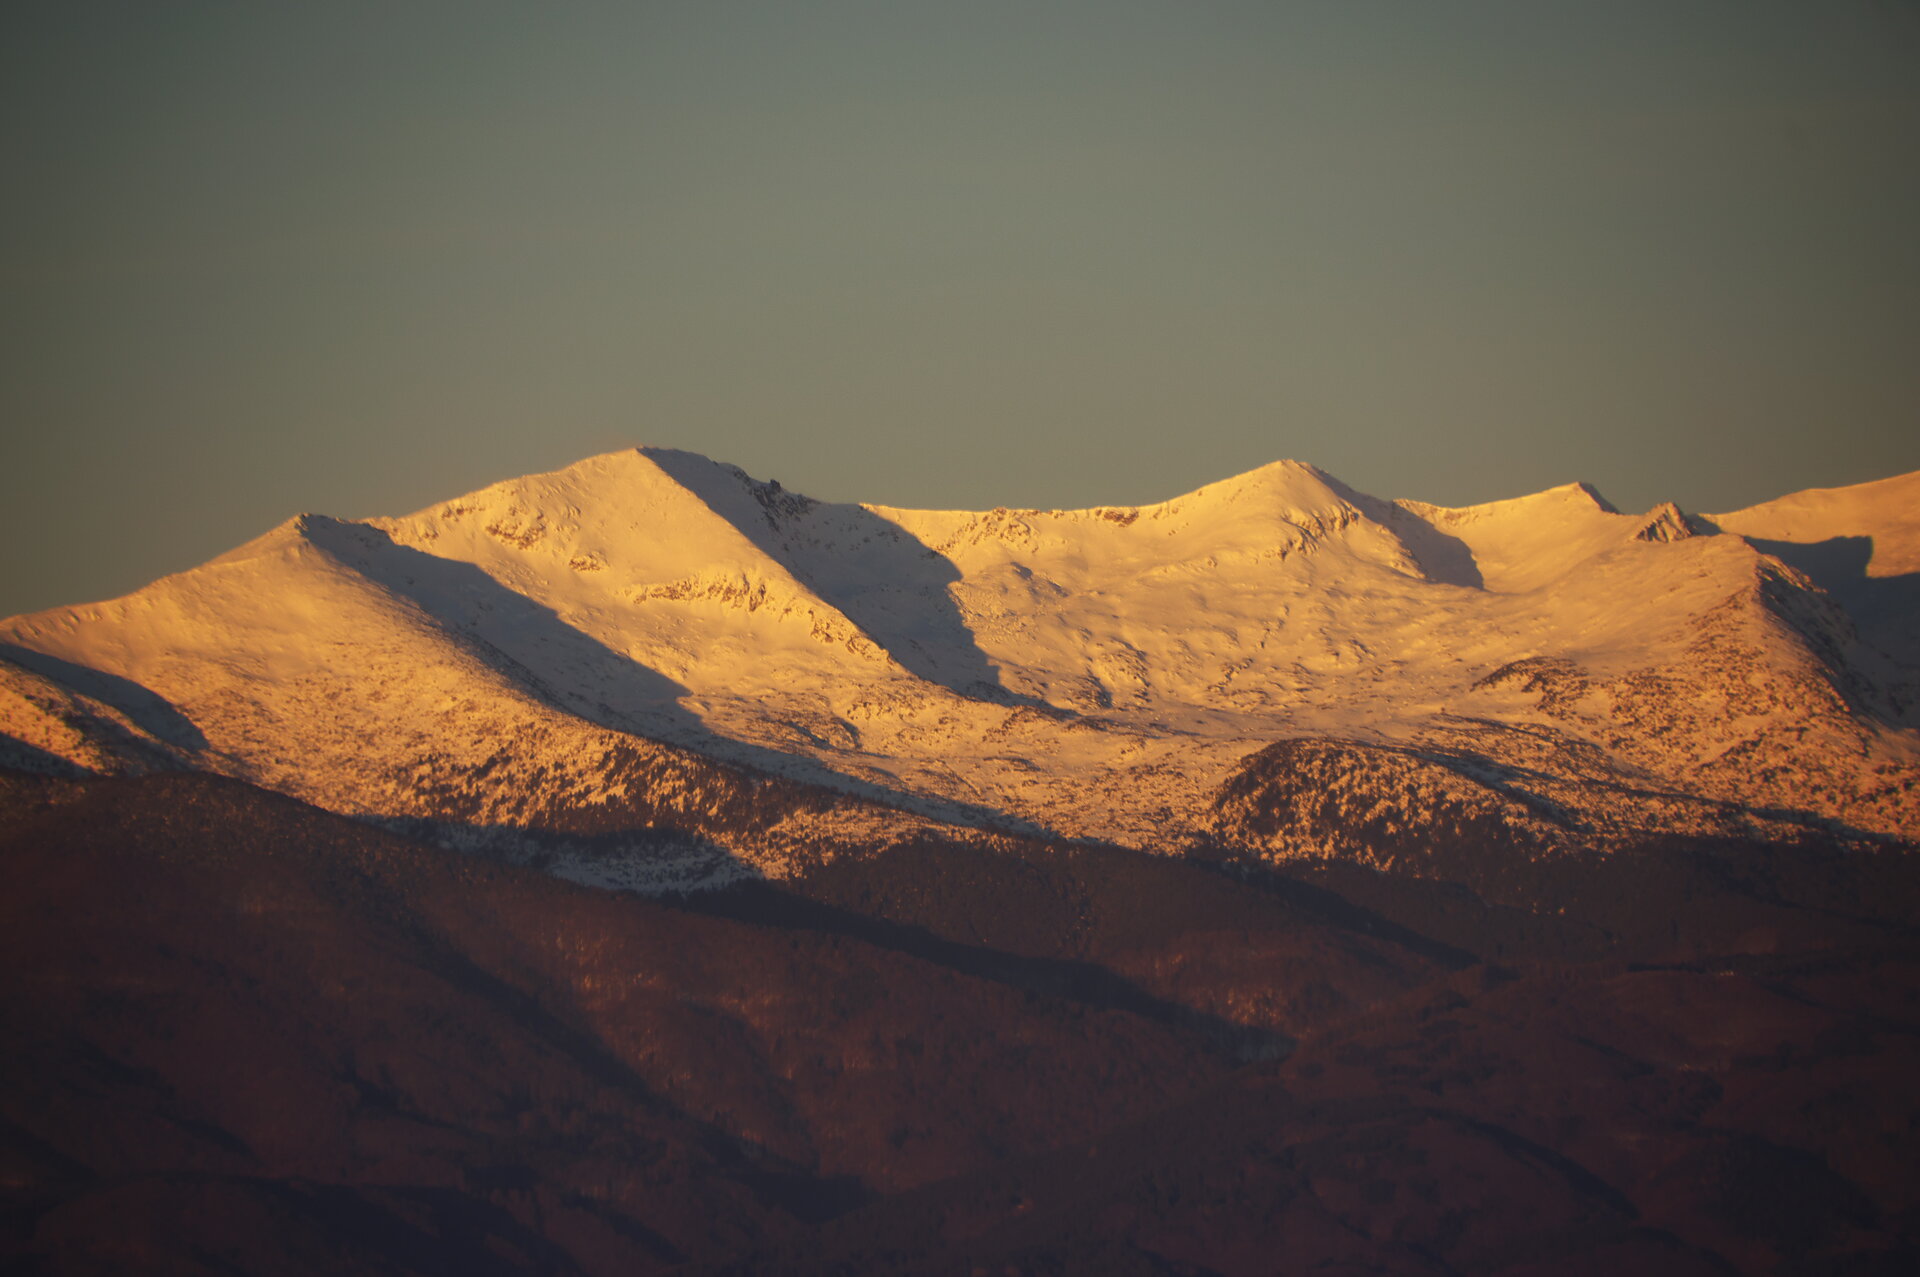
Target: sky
{"x": 356, "y": 258}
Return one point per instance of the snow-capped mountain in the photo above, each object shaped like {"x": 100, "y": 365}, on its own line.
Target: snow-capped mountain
{"x": 551, "y": 666}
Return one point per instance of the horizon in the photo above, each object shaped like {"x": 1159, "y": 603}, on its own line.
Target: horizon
{"x": 359, "y": 260}
{"x": 1600, "y": 496}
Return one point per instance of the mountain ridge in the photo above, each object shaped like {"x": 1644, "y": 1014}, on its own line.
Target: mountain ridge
{"x": 1103, "y": 673}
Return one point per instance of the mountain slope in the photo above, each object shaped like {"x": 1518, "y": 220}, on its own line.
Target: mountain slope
{"x": 246, "y": 1035}
{"x": 1860, "y": 544}
{"x": 554, "y": 666}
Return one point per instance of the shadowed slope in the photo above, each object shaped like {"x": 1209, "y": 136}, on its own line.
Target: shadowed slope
{"x": 328, "y": 1049}
{"x": 251, "y": 1036}
{"x": 1861, "y": 544}
{"x": 891, "y": 585}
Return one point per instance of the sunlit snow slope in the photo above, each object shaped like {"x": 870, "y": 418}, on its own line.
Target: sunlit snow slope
{"x": 518, "y": 667}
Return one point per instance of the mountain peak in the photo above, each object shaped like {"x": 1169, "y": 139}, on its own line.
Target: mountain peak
{"x": 977, "y": 663}
{"x": 1586, "y": 491}
{"x": 1286, "y": 489}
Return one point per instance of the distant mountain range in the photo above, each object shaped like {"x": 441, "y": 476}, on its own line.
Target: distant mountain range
{"x": 591, "y": 668}
{"x": 1275, "y": 879}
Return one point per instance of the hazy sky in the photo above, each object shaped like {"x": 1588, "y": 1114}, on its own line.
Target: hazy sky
{"x": 258, "y": 258}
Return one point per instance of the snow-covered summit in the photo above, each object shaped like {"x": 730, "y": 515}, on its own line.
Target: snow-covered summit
{"x": 1094, "y": 672}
